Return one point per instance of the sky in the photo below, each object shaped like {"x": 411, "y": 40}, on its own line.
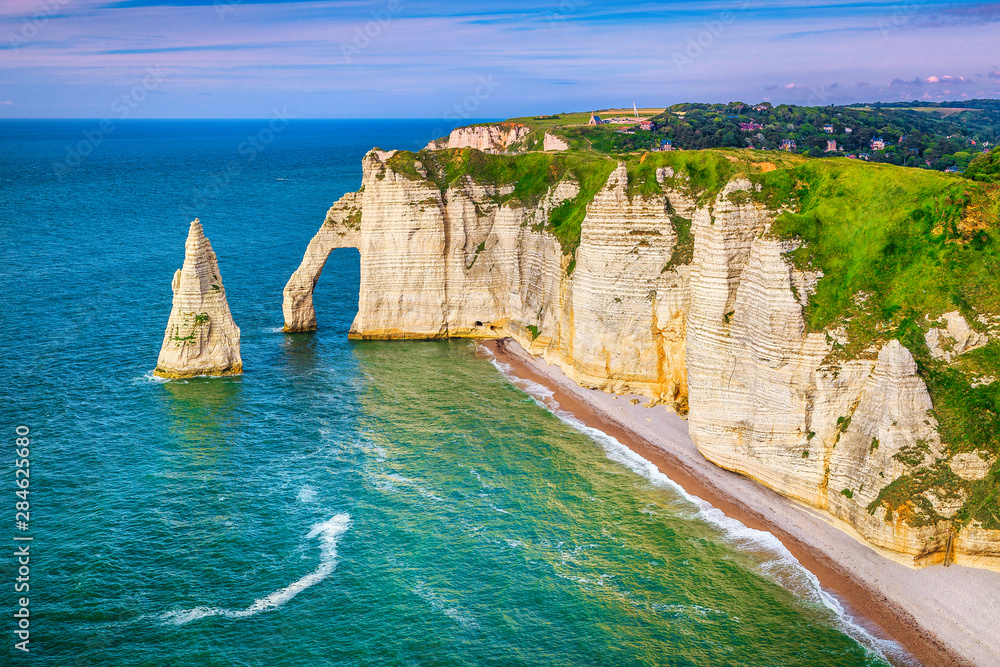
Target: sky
{"x": 453, "y": 60}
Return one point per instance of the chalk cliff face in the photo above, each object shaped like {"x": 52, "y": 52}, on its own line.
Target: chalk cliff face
{"x": 201, "y": 337}
{"x": 455, "y": 263}
{"x": 487, "y": 138}
{"x": 551, "y": 142}
{"x": 763, "y": 402}
{"x": 690, "y": 303}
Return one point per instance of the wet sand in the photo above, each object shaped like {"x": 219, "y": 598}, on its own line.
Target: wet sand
{"x": 942, "y": 616}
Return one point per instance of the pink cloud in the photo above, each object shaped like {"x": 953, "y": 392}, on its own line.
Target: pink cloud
{"x": 256, "y": 54}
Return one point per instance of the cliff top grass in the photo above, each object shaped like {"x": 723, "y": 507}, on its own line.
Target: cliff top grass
{"x": 564, "y": 120}
{"x": 529, "y": 177}
{"x": 890, "y": 242}
{"x": 897, "y": 249}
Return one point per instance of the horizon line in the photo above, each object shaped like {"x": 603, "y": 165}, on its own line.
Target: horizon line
{"x": 474, "y": 120}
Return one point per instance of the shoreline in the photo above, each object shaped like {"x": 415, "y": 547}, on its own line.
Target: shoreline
{"x": 916, "y": 608}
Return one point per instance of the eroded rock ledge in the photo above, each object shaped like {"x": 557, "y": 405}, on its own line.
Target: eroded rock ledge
{"x": 487, "y": 138}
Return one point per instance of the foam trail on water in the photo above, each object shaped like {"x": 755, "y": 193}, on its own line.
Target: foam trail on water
{"x": 779, "y": 565}
{"x": 329, "y": 533}
{"x": 441, "y": 604}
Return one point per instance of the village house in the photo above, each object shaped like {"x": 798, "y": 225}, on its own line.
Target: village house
{"x": 666, "y": 145}
{"x": 831, "y": 146}
{"x": 751, "y": 126}
{"x": 878, "y": 144}
{"x": 828, "y": 129}
{"x": 788, "y": 144}
{"x": 647, "y": 125}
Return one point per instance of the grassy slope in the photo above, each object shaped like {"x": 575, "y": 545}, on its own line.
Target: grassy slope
{"x": 897, "y": 247}
{"x": 985, "y": 168}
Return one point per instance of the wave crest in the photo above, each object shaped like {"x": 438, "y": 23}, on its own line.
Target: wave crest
{"x": 328, "y": 532}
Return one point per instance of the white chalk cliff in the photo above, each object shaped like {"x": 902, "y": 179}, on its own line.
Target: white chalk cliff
{"x": 719, "y": 336}
{"x": 201, "y": 337}
{"x": 487, "y": 138}
{"x": 551, "y": 142}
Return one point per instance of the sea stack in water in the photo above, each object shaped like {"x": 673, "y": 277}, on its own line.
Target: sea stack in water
{"x": 201, "y": 337}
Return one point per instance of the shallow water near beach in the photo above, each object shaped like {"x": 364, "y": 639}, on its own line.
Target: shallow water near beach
{"x": 341, "y": 503}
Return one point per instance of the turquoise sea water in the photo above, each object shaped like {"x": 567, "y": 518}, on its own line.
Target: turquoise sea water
{"x": 341, "y": 503}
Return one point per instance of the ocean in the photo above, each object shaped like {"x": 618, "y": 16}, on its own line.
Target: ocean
{"x": 342, "y": 503}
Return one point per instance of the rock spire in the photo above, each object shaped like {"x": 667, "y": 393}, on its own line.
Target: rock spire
{"x": 201, "y": 337}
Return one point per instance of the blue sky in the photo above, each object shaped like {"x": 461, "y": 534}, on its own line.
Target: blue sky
{"x": 453, "y": 60}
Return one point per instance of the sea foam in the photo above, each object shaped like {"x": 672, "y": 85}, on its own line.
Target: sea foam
{"x": 150, "y": 378}
{"x": 328, "y": 532}
{"x": 306, "y": 494}
{"x": 776, "y": 562}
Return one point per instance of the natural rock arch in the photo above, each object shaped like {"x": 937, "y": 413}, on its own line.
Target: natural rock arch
{"x": 342, "y": 229}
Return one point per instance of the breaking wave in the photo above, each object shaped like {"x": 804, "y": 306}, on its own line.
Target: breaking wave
{"x": 775, "y": 561}
{"x": 329, "y": 533}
